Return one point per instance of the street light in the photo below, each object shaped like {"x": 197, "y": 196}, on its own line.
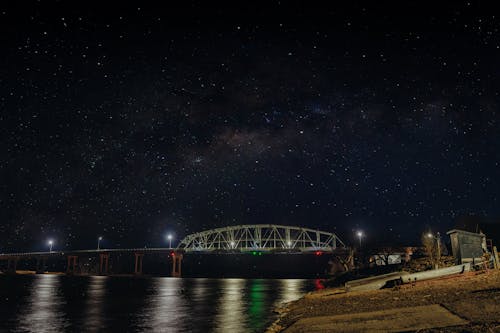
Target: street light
{"x": 289, "y": 243}
{"x": 169, "y": 237}
{"x": 50, "y": 242}
{"x": 99, "y": 242}
{"x": 232, "y": 244}
{"x": 360, "y": 235}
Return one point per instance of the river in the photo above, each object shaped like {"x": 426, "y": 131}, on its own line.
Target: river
{"x": 57, "y": 303}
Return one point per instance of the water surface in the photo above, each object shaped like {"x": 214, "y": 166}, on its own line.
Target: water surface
{"x": 54, "y": 303}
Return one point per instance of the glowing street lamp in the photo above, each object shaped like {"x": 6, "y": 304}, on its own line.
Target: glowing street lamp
{"x": 360, "y": 235}
{"x": 99, "y": 242}
{"x": 232, "y": 244}
{"x": 169, "y": 237}
{"x": 289, "y": 244}
{"x": 50, "y": 242}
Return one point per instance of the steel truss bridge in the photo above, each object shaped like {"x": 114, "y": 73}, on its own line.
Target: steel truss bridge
{"x": 261, "y": 237}
{"x": 249, "y": 238}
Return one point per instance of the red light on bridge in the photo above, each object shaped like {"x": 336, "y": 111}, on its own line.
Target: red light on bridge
{"x": 318, "y": 253}
{"x": 172, "y": 254}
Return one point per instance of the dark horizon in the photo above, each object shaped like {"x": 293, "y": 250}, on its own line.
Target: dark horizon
{"x": 131, "y": 122}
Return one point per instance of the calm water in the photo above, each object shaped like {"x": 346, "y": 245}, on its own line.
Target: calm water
{"x": 50, "y": 303}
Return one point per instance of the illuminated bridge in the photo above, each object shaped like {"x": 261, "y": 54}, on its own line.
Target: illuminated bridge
{"x": 261, "y": 237}
{"x": 254, "y": 239}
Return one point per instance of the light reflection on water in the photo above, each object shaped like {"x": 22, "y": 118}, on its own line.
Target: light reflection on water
{"x": 290, "y": 290}
{"x": 231, "y": 308}
{"x": 48, "y": 303}
{"x": 96, "y": 291}
{"x": 166, "y": 309}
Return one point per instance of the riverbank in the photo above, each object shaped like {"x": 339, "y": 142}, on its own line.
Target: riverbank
{"x": 469, "y": 302}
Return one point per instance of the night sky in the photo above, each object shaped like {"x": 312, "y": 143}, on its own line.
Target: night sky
{"x": 130, "y": 122}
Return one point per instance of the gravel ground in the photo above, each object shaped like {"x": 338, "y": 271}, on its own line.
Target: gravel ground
{"x": 473, "y": 296}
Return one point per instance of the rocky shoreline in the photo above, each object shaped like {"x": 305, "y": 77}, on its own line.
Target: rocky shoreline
{"x": 471, "y": 301}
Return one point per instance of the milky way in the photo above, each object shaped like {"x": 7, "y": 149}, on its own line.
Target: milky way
{"x": 130, "y": 122}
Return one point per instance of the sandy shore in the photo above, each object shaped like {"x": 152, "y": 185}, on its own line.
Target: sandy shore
{"x": 469, "y": 302}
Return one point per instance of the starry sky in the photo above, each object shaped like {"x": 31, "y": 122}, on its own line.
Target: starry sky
{"x": 130, "y": 122}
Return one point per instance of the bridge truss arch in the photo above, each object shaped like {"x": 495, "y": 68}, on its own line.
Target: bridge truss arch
{"x": 261, "y": 237}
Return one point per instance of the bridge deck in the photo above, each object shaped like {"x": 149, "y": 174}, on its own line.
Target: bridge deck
{"x": 165, "y": 250}
{"x": 71, "y": 252}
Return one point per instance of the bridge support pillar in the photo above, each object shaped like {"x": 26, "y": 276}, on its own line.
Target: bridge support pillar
{"x": 103, "y": 263}
{"x": 12, "y": 265}
{"x": 71, "y": 268}
{"x": 40, "y": 265}
{"x": 176, "y": 264}
{"x": 138, "y": 263}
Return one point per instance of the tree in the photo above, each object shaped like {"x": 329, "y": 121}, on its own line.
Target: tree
{"x": 384, "y": 255}
{"x": 431, "y": 248}
{"x": 347, "y": 260}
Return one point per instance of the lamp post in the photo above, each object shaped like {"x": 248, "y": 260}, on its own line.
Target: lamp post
{"x": 50, "y": 242}
{"x": 99, "y": 242}
{"x": 360, "y": 235}
{"x": 169, "y": 237}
